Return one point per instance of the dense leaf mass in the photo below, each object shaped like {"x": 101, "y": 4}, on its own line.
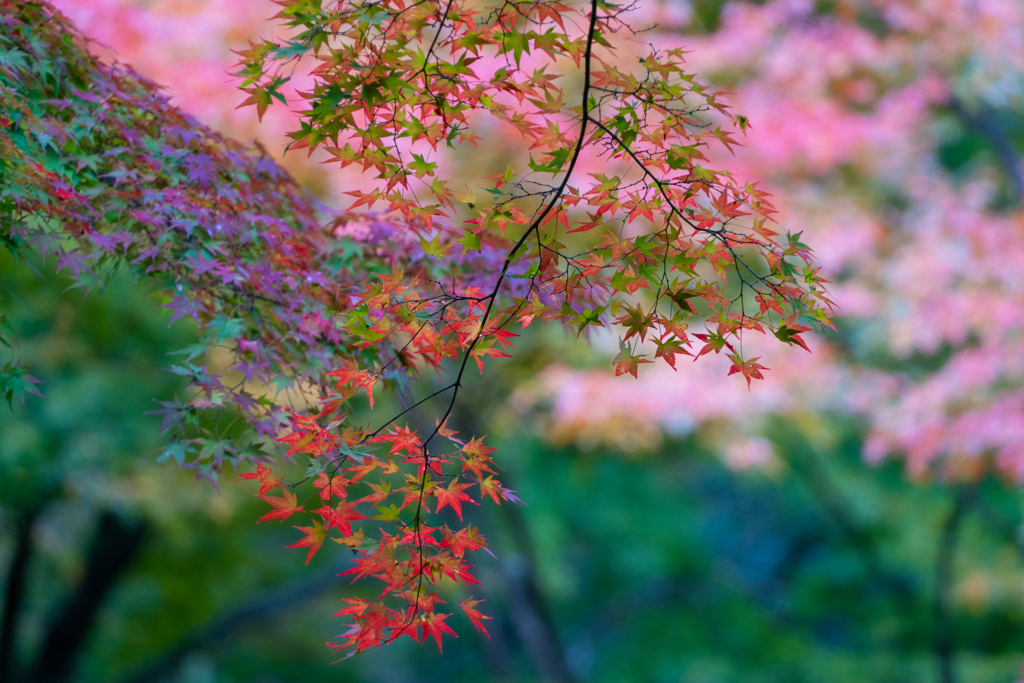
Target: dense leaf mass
{"x": 100, "y": 172}
{"x": 611, "y": 217}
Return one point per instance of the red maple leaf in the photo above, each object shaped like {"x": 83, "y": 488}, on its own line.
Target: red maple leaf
{"x": 478, "y": 461}
{"x": 351, "y": 374}
{"x": 331, "y": 486}
{"x": 402, "y": 437}
{"x": 341, "y": 517}
{"x": 453, "y": 495}
{"x": 460, "y": 541}
{"x": 629, "y": 363}
{"x": 469, "y": 607}
{"x": 750, "y": 369}
{"x": 315, "y": 536}
{"x": 265, "y": 475}
{"x": 286, "y": 506}
{"x": 434, "y": 623}
{"x": 491, "y": 487}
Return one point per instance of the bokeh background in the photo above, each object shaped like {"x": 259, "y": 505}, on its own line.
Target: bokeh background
{"x": 855, "y": 517}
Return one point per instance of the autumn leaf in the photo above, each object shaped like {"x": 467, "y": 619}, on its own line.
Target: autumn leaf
{"x": 285, "y": 506}
{"x": 453, "y": 495}
{"x": 636, "y": 321}
{"x": 433, "y": 622}
{"x": 315, "y": 536}
{"x": 435, "y": 248}
{"x": 340, "y": 517}
{"x": 626, "y": 362}
{"x": 351, "y": 374}
{"x": 750, "y": 369}
{"x": 461, "y": 541}
{"x": 265, "y": 476}
{"x": 331, "y": 486}
{"x": 790, "y": 334}
{"x": 401, "y": 438}
{"x": 669, "y": 349}
{"x": 469, "y": 607}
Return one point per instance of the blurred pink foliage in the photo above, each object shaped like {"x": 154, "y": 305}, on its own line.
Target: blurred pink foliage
{"x": 186, "y": 46}
{"x": 847, "y": 117}
{"x": 846, "y": 124}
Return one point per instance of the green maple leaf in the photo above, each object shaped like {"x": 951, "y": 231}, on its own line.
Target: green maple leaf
{"x": 435, "y": 248}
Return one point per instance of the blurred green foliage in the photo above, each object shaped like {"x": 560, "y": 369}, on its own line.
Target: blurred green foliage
{"x": 663, "y": 566}
{"x": 659, "y": 566}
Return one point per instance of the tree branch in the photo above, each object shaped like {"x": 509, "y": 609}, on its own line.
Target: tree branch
{"x": 945, "y": 646}
{"x": 985, "y": 122}
{"x": 833, "y": 505}
{"x": 526, "y": 604}
{"x": 14, "y": 592}
{"x": 231, "y": 621}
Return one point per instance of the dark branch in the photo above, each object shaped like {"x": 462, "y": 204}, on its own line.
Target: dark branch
{"x": 115, "y": 546}
{"x": 228, "y": 624}
{"x": 986, "y": 122}
{"x": 14, "y": 593}
{"x": 839, "y": 512}
{"x": 945, "y": 646}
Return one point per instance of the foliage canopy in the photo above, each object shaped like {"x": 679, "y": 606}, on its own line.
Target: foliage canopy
{"x": 613, "y": 217}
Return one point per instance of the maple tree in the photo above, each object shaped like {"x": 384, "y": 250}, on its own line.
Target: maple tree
{"x": 916, "y": 243}
{"x": 611, "y": 216}
{"x": 893, "y": 127}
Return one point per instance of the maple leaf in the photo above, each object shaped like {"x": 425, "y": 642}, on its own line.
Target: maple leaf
{"x": 460, "y": 541}
{"x": 452, "y": 495}
{"x": 351, "y": 374}
{"x": 433, "y": 622}
{"x": 768, "y": 303}
{"x": 443, "y": 430}
{"x": 285, "y": 506}
{"x": 315, "y": 536}
{"x": 714, "y": 341}
{"x": 475, "y": 447}
{"x": 380, "y": 492}
{"x": 627, "y": 362}
{"x": 750, "y": 369}
{"x": 636, "y": 321}
{"x": 669, "y": 349}
{"x": 331, "y": 486}
{"x": 340, "y": 517}
{"x": 478, "y": 457}
{"x": 401, "y": 438}
{"x": 357, "y": 606}
{"x": 790, "y": 334}
{"x": 491, "y": 487}
{"x": 259, "y": 97}
{"x": 435, "y": 248}
{"x": 265, "y": 476}
{"x": 469, "y": 607}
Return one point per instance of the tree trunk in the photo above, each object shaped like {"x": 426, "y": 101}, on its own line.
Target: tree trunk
{"x": 14, "y": 592}
{"x": 112, "y": 551}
